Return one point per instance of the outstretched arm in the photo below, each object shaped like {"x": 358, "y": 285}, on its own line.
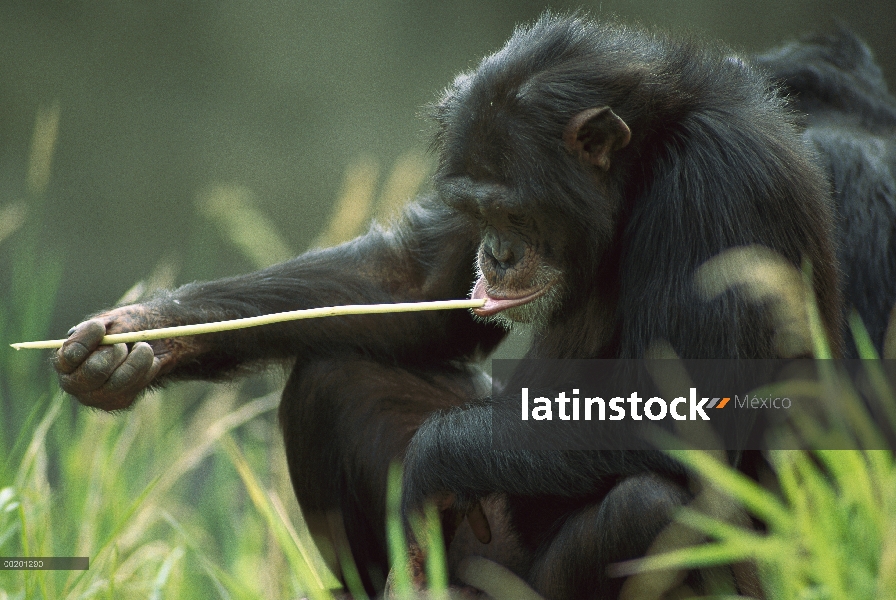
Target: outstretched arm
{"x": 428, "y": 255}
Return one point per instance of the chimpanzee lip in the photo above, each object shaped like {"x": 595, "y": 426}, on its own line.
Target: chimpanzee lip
{"x": 495, "y": 304}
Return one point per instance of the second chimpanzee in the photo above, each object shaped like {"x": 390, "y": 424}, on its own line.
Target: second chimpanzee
{"x": 586, "y": 170}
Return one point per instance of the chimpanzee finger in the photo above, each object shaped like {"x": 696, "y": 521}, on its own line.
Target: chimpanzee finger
{"x": 83, "y": 339}
{"x": 479, "y": 523}
{"x": 135, "y": 372}
{"x": 95, "y": 371}
{"x": 126, "y": 382}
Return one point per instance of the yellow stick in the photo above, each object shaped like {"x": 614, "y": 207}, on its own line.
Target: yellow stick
{"x": 293, "y": 315}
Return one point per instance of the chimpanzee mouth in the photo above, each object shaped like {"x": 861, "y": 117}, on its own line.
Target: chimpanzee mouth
{"x": 495, "y": 304}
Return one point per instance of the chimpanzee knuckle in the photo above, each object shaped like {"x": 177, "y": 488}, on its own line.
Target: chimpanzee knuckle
{"x": 143, "y": 353}
{"x": 130, "y": 375}
{"x": 88, "y": 334}
{"x": 122, "y": 380}
{"x": 83, "y": 339}
{"x": 99, "y": 365}
{"x": 68, "y": 357}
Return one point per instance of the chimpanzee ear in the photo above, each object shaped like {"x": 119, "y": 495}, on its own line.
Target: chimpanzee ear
{"x": 594, "y": 134}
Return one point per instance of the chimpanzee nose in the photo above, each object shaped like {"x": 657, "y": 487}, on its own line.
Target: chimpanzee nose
{"x": 499, "y": 248}
{"x": 503, "y": 256}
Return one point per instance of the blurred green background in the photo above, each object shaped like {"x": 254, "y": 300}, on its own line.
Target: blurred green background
{"x": 171, "y": 141}
{"x": 160, "y": 101}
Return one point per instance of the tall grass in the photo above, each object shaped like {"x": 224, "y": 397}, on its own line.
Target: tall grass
{"x": 831, "y": 527}
{"x": 829, "y": 524}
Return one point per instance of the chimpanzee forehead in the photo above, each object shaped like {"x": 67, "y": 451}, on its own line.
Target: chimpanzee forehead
{"x": 501, "y": 138}
{"x": 490, "y": 124}
{"x": 515, "y": 105}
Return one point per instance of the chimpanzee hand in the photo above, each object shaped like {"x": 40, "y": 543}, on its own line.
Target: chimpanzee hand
{"x": 111, "y": 377}
{"x": 451, "y": 515}
{"x": 425, "y": 483}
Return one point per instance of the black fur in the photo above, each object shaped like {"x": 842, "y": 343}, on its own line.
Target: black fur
{"x": 851, "y": 122}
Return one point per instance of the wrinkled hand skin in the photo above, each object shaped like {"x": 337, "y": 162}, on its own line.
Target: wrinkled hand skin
{"x": 111, "y": 377}
{"x": 451, "y": 516}
{"x": 417, "y": 566}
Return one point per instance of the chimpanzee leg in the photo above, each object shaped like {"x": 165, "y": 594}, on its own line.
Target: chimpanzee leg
{"x": 344, "y": 421}
{"x": 620, "y": 527}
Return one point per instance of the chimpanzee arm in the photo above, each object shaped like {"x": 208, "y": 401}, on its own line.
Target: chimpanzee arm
{"x": 427, "y": 256}
{"x": 454, "y": 452}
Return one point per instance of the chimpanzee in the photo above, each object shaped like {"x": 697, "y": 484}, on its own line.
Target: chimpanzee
{"x": 851, "y": 122}
{"x": 586, "y": 170}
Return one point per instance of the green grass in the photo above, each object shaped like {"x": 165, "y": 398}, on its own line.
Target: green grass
{"x": 830, "y": 521}
{"x": 163, "y": 501}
